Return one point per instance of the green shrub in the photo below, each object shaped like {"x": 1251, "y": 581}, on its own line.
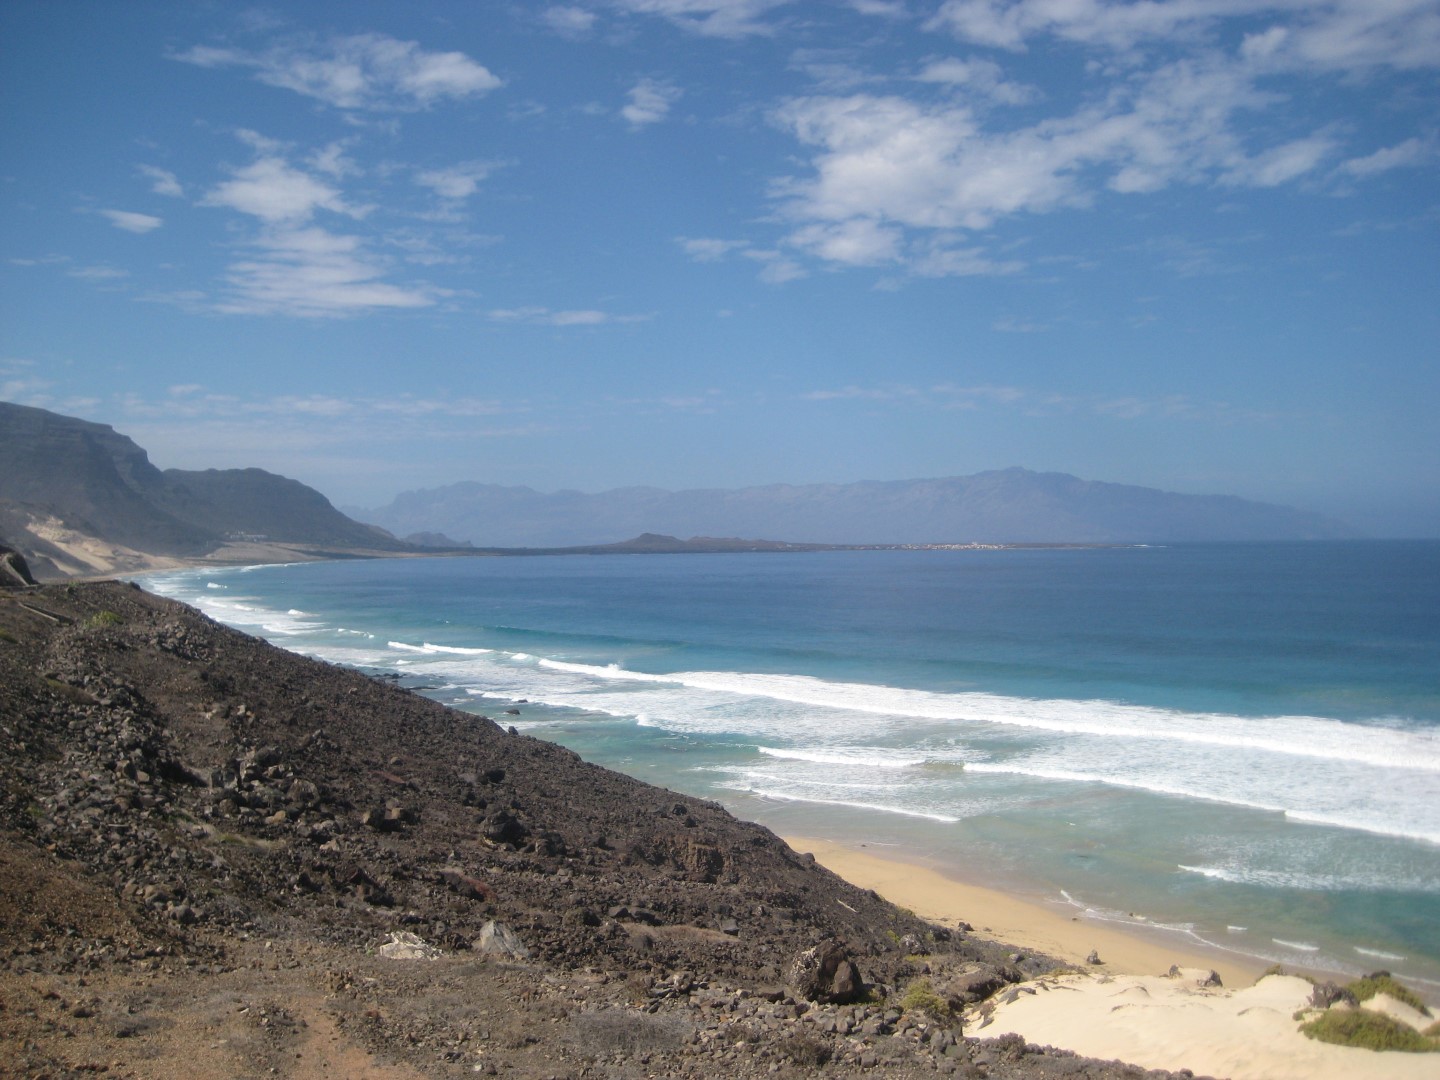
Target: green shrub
{"x": 1383, "y": 983}
{"x": 1368, "y": 1030}
{"x": 920, "y": 996}
{"x": 103, "y": 618}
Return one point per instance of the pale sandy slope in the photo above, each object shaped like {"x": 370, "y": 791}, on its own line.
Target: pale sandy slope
{"x": 1162, "y": 1023}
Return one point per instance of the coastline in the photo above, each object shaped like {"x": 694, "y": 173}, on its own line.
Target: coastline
{"x": 1018, "y": 921}
{"x": 1127, "y": 1008}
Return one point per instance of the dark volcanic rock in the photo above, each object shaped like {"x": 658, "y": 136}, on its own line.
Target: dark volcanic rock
{"x": 14, "y": 572}
{"x": 208, "y": 846}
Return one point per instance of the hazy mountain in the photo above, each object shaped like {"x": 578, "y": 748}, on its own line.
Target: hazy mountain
{"x": 1010, "y": 505}
{"x": 60, "y": 475}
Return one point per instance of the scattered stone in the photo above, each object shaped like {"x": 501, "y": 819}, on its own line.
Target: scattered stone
{"x": 404, "y": 945}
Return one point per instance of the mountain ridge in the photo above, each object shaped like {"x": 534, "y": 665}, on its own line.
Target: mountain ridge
{"x": 1012, "y": 505}
{"x": 69, "y": 485}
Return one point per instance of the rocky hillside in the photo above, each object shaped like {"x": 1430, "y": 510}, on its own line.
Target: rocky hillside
{"x": 221, "y": 859}
{"x": 1006, "y": 506}
{"x": 66, "y": 482}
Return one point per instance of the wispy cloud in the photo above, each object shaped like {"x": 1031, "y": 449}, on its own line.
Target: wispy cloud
{"x": 276, "y": 192}
{"x": 162, "y": 181}
{"x": 650, "y": 102}
{"x": 194, "y": 401}
{"x": 309, "y": 272}
{"x": 292, "y": 266}
{"x": 456, "y": 181}
{"x": 361, "y": 71}
{"x": 969, "y": 398}
{"x": 982, "y": 78}
{"x": 1172, "y": 88}
{"x": 1320, "y": 34}
{"x": 776, "y": 267}
{"x": 541, "y": 316}
{"x": 97, "y": 273}
{"x": 568, "y": 20}
{"x": 710, "y": 18}
{"x": 131, "y": 221}
{"x": 1408, "y": 154}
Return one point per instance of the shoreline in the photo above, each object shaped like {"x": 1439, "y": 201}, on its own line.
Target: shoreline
{"x": 1128, "y": 1008}
{"x": 1019, "y": 921}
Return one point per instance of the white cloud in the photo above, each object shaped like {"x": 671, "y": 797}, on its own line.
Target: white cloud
{"x": 163, "y": 182}
{"x": 457, "y": 181}
{"x": 362, "y": 71}
{"x": 940, "y": 259}
{"x": 193, "y": 402}
{"x": 708, "y": 249}
{"x": 1281, "y": 164}
{"x": 1408, "y": 153}
{"x": 711, "y": 18}
{"x": 932, "y": 168}
{"x": 309, "y": 272}
{"x": 650, "y": 102}
{"x": 276, "y": 192}
{"x": 775, "y": 268}
{"x": 1314, "y": 34}
{"x": 856, "y": 241}
{"x": 889, "y": 159}
{"x": 540, "y": 316}
{"x": 332, "y": 161}
{"x": 569, "y": 21}
{"x": 983, "y": 77}
{"x": 131, "y": 221}
{"x": 97, "y": 273}
{"x": 1006, "y": 24}
{"x": 885, "y": 9}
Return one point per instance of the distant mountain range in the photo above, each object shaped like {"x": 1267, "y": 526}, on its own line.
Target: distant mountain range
{"x": 68, "y": 484}
{"x": 78, "y": 497}
{"x": 1006, "y": 506}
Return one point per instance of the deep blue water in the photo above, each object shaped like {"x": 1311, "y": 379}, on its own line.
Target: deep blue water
{"x": 1240, "y": 741}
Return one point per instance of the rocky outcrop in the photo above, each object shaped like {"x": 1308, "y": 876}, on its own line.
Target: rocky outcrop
{"x": 68, "y": 482}
{"x": 14, "y": 571}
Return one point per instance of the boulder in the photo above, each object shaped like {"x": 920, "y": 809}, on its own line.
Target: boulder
{"x": 467, "y": 886}
{"x": 404, "y": 945}
{"x": 825, "y": 973}
{"x": 1326, "y": 994}
{"x": 1195, "y": 976}
{"x": 497, "y": 939}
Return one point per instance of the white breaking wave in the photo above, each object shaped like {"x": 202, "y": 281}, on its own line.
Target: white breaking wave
{"x": 1299, "y": 736}
{"x": 1380, "y": 954}
{"x": 867, "y": 756}
{"x": 944, "y": 819}
{"x": 438, "y": 650}
{"x": 1378, "y": 779}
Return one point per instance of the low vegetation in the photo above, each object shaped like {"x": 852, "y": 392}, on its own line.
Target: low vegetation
{"x": 1368, "y": 1030}
{"x": 920, "y": 996}
{"x": 1383, "y": 983}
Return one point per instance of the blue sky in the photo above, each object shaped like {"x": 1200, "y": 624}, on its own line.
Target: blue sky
{"x": 1191, "y": 244}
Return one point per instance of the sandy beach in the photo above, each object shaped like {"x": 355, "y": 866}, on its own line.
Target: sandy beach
{"x": 1056, "y": 930}
{"x": 1126, "y": 1008}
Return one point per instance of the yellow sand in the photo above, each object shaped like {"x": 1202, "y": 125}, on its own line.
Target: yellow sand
{"x": 1245, "y": 1034}
{"x": 1125, "y": 1009}
{"x": 1056, "y": 930}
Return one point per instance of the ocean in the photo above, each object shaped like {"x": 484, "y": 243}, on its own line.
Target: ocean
{"x": 1232, "y": 743}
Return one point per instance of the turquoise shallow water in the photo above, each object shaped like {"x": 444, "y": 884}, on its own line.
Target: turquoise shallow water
{"x": 1239, "y": 742}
